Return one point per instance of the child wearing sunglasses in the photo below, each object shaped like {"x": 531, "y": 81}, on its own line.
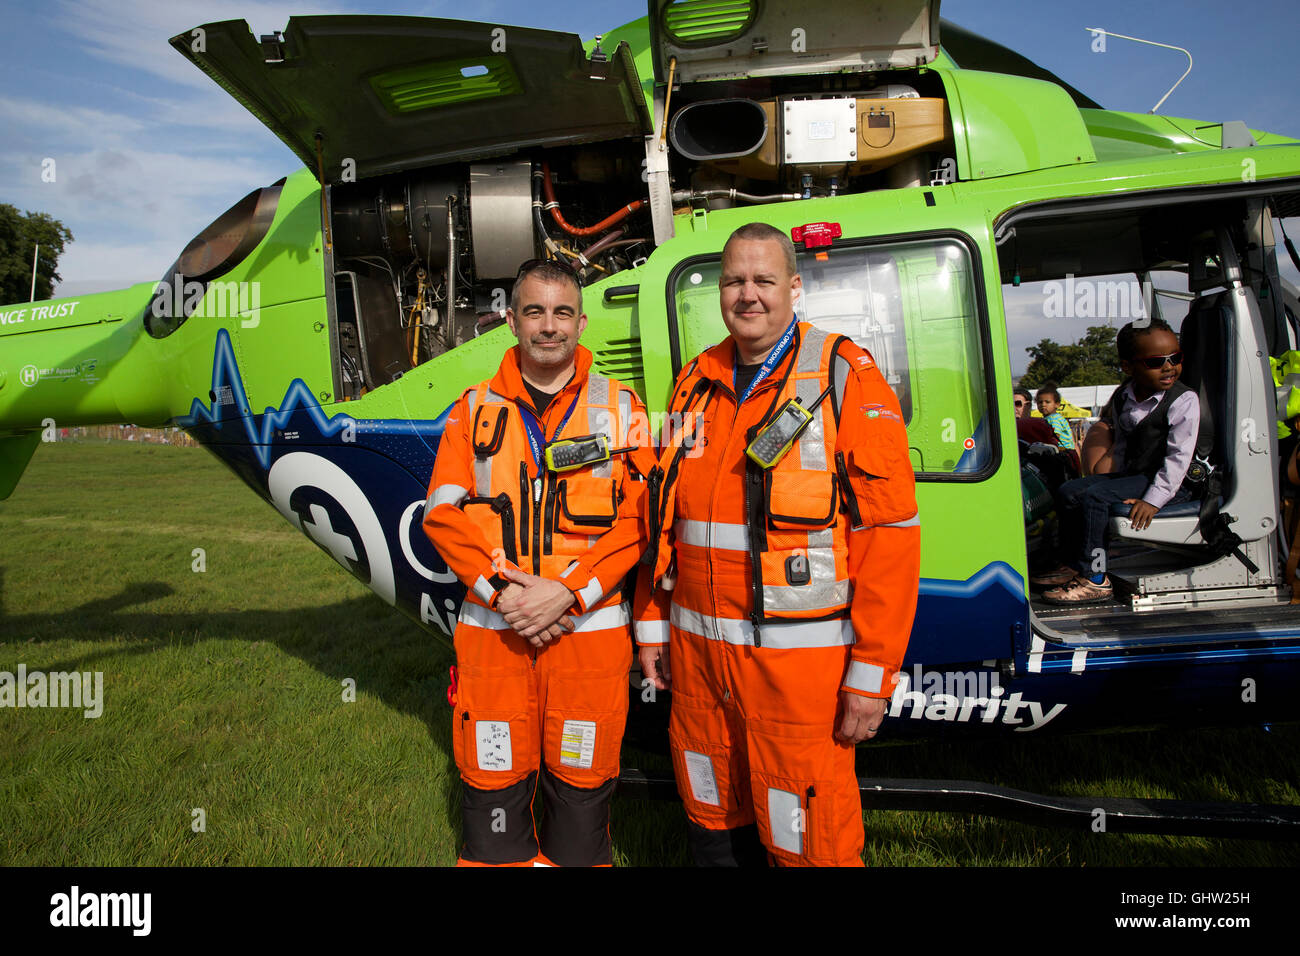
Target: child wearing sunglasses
{"x": 1155, "y": 421}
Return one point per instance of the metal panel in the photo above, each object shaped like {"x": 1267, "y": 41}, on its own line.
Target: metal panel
{"x": 821, "y": 131}
{"x": 501, "y": 214}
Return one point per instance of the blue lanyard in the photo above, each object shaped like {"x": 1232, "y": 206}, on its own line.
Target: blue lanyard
{"x": 772, "y": 361}
{"x": 537, "y": 436}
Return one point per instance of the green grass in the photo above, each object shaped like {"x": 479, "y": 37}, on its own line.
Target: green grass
{"x": 224, "y": 691}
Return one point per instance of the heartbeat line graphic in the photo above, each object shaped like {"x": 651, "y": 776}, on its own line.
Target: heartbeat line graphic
{"x": 228, "y": 389}
{"x": 998, "y": 572}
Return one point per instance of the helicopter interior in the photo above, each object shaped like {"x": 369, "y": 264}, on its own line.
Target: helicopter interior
{"x": 1207, "y": 263}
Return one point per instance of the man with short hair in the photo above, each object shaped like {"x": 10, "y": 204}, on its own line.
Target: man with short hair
{"x": 796, "y": 572}
{"x": 543, "y": 543}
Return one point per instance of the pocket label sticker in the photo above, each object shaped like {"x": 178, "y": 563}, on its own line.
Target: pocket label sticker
{"x": 494, "y": 751}
{"x": 785, "y": 818}
{"x": 578, "y": 743}
{"x": 699, "y": 770}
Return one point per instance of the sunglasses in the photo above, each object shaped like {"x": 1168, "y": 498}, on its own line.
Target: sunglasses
{"x": 1158, "y": 361}
{"x": 1020, "y": 404}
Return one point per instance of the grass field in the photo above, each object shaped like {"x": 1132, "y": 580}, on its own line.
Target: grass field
{"x": 224, "y": 693}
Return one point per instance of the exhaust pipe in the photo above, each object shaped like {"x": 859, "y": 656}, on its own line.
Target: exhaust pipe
{"x": 714, "y": 130}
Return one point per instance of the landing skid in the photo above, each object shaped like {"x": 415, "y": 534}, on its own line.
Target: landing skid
{"x": 1242, "y": 821}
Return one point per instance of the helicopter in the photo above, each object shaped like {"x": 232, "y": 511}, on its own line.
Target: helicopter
{"x": 314, "y": 336}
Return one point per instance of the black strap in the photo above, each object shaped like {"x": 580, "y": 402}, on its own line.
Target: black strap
{"x": 1215, "y": 528}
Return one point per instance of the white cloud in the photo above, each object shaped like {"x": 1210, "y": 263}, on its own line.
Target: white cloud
{"x": 66, "y": 121}
{"x": 103, "y": 266}
{"x": 134, "y": 33}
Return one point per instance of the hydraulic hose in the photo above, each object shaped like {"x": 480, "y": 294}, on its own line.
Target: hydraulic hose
{"x": 686, "y": 195}
{"x": 604, "y": 242}
{"x": 549, "y": 191}
{"x": 551, "y": 247}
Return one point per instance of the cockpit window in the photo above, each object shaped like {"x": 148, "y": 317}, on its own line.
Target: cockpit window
{"x": 224, "y": 244}
{"x": 913, "y": 306}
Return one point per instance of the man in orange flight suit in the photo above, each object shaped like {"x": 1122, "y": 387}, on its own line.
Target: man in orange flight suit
{"x": 543, "y": 644}
{"x": 795, "y": 583}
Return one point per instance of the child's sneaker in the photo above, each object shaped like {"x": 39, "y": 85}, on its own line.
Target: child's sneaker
{"x": 1054, "y": 579}
{"x": 1081, "y": 591}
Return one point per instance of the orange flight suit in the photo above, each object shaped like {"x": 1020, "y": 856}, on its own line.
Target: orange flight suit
{"x": 559, "y": 711}
{"x": 757, "y": 663}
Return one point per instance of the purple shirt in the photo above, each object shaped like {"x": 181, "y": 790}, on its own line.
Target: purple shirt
{"x": 1184, "y": 425}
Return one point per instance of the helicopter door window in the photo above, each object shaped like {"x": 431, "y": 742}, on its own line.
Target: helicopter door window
{"x": 911, "y": 304}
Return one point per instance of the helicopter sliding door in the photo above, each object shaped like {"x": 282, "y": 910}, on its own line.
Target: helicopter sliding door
{"x": 1081, "y": 270}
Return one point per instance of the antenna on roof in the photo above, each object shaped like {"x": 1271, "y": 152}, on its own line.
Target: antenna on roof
{"x": 1097, "y": 31}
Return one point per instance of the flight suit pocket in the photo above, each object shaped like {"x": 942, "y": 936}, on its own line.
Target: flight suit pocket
{"x": 493, "y": 739}
{"x": 799, "y": 500}
{"x": 883, "y": 483}
{"x": 703, "y": 763}
{"x": 584, "y": 722}
{"x": 586, "y": 505}
{"x": 795, "y": 818}
{"x": 795, "y": 797}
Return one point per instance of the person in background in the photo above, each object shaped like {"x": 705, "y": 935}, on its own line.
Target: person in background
{"x": 1048, "y": 401}
{"x": 1155, "y": 420}
{"x": 1031, "y": 430}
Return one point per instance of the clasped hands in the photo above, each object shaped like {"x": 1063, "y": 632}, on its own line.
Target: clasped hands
{"x": 535, "y": 608}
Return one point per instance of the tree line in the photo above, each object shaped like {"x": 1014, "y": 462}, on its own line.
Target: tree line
{"x": 20, "y": 232}
{"x": 1090, "y": 361}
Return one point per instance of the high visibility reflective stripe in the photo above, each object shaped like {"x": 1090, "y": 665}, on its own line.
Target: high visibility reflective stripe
{"x": 598, "y": 419}
{"x": 812, "y": 442}
{"x": 867, "y": 678}
{"x": 704, "y": 534}
{"x": 599, "y": 620}
{"x": 810, "y": 351}
{"x": 823, "y": 592}
{"x": 785, "y": 820}
{"x": 445, "y": 495}
{"x": 783, "y": 635}
{"x": 483, "y": 477}
{"x": 652, "y": 632}
{"x": 624, "y": 415}
{"x": 911, "y": 522}
{"x": 597, "y": 389}
{"x": 483, "y": 466}
{"x": 484, "y": 589}
{"x": 805, "y": 597}
{"x": 840, "y": 378}
{"x": 591, "y": 593}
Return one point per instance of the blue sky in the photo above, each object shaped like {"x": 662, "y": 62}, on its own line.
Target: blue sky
{"x": 148, "y": 150}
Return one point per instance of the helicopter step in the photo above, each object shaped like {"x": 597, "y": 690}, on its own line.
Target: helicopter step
{"x": 1113, "y": 624}
{"x": 1248, "y": 821}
